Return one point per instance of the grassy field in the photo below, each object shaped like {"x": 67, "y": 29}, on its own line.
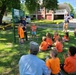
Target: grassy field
{"x": 10, "y": 53}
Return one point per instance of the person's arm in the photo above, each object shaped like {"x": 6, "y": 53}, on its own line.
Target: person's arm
{"x": 46, "y": 71}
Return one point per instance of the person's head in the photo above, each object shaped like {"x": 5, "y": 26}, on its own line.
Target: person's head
{"x": 33, "y": 24}
{"x": 66, "y": 14}
{"x": 43, "y": 38}
{"x": 59, "y": 39}
{"x": 19, "y": 24}
{"x": 23, "y": 18}
{"x": 72, "y": 50}
{"x": 22, "y": 25}
{"x": 56, "y": 33}
{"x": 48, "y": 35}
{"x": 34, "y": 48}
{"x": 53, "y": 52}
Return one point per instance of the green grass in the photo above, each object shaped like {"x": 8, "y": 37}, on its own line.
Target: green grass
{"x": 47, "y": 21}
{"x": 10, "y": 53}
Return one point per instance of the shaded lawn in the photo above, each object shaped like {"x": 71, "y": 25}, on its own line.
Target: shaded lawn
{"x": 10, "y": 53}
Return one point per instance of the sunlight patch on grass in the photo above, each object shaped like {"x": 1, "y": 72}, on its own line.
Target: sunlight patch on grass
{"x": 9, "y": 44}
{"x": 4, "y": 70}
{"x": 48, "y": 21}
{"x": 3, "y": 39}
{"x": 41, "y": 55}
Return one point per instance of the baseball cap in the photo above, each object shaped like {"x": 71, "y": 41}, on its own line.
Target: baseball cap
{"x": 34, "y": 46}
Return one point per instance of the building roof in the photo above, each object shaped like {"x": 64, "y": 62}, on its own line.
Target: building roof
{"x": 64, "y": 6}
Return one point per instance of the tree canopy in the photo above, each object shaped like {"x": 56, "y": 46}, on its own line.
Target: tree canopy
{"x": 7, "y": 5}
{"x": 31, "y": 5}
{"x": 50, "y": 4}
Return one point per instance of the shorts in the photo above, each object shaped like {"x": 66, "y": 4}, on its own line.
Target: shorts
{"x": 34, "y": 33}
{"x": 66, "y": 22}
{"x": 22, "y": 38}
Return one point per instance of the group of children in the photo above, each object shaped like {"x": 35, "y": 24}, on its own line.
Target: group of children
{"x": 56, "y": 41}
{"x": 68, "y": 66}
{"x": 56, "y": 44}
{"x": 22, "y": 31}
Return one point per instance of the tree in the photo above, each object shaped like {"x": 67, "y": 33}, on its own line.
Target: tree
{"x": 50, "y": 4}
{"x": 71, "y": 7}
{"x": 7, "y": 5}
{"x": 32, "y": 5}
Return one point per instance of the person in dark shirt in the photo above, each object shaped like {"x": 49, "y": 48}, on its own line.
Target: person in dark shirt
{"x": 23, "y": 21}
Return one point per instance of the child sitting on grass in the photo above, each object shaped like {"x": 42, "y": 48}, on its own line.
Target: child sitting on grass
{"x": 44, "y": 45}
{"x": 58, "y": 44}
{"x": 56, "y": 36}
{"x": 70, "y": 61}
{"x": 49, "y": 40}
{"x": 66, "y": 37}
{"x": 53, "y": 63}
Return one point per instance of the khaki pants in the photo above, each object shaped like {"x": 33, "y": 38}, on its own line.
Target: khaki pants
{"x": 65, "y": 26}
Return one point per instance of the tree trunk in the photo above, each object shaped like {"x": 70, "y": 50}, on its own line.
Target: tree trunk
{"x": 3, "y": 9}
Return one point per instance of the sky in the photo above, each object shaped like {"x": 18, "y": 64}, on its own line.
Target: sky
{"x": 72, "y": 2}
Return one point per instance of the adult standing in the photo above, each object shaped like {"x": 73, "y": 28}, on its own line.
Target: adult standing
{"x": 30, "y": 64}
{"x": 66, "y": 22}
{"x": 23, "y": 21}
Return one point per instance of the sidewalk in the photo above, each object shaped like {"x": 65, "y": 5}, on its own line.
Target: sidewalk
{"x": 72, "y": 26}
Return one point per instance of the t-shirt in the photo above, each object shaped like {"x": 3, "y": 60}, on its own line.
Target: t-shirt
{"x": 23, "y": 22}
{"x": 56, "y": 37}
{"x": 54, "y": 65}
{"x": 32, "y": 65}
{"x": 66, "y": 19}
{"x": 70, "y": 64}
{"x": 33, "y": 28}
{"x": 44, "y": 45}
{"x": 49, "y": 41}
{"x": 66, "y": 38}
{"x": 21, "y": 33}
{"x": 59, "y": 46}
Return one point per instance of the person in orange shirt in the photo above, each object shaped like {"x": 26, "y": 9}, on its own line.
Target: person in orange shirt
{"x": 59, "y": 45}
{"x": 53, "y": 63}
{"x": 49, "y": 39}
{"x": 56, "y": 36}
{"x": 44, "y": 45}
{"x": 66, "y": 37}
{"x": 19, "y": 30}
{"x": 33, "y": 29}
{"x": 21, "y": 34}
{"x": 70, "y": 61}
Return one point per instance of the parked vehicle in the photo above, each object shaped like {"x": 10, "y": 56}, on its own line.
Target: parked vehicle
{"x": 28, "y": 19}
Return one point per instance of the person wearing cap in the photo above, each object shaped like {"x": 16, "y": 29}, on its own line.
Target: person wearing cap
{"x": 30, "y": 64}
